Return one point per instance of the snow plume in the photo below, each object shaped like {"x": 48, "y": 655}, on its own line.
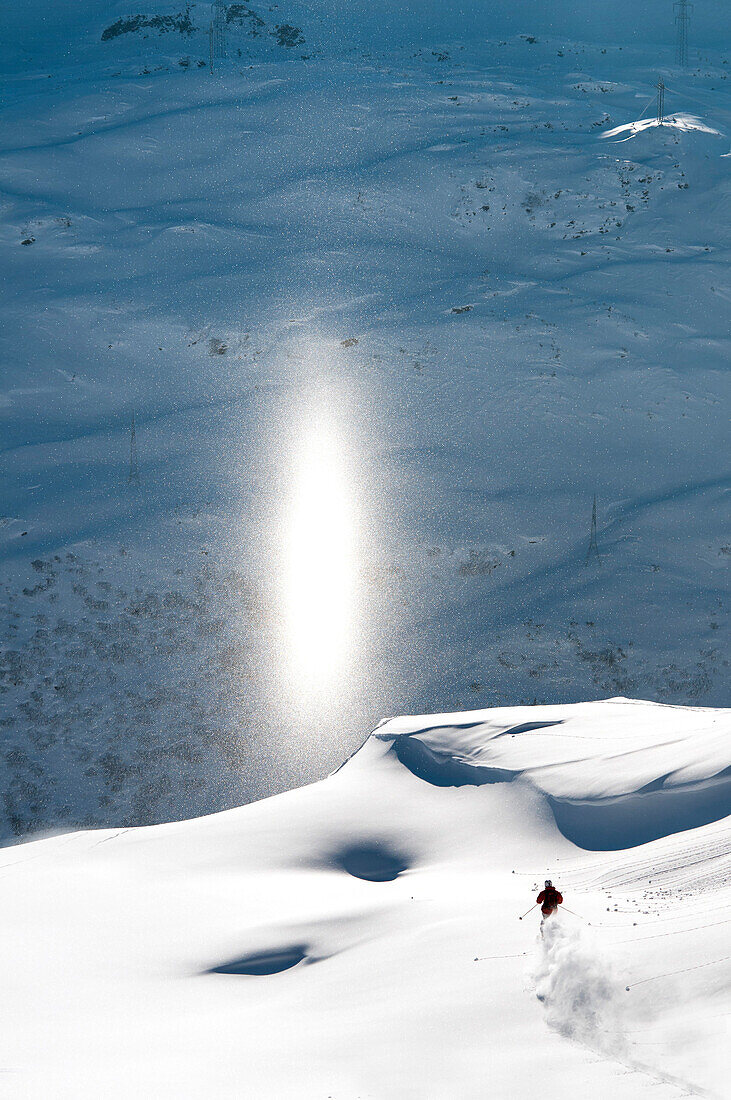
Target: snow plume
{"x": 582, "y": 998}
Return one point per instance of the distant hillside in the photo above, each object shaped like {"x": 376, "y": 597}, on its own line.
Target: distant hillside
{"x": 388, "y": 321}
{"x": 41, "y": 32}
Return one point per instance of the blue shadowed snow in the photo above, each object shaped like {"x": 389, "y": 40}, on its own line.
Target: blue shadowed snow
{"x": 387, "y": 317}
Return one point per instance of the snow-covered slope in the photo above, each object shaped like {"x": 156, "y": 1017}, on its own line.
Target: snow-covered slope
{"x": 439, "y": 269}
{"x": 360, "y": 937}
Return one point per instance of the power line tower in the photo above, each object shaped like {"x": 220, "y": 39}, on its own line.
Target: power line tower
{"x": 660, "y": 101}
{"x": 682, "y": 21}
{"x": 217, "y": 33}
{"x": 593, "y": 546}
{"x": 134, "y": 468}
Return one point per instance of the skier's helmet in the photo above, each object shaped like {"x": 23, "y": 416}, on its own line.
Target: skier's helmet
{"x": 548, "y": 883}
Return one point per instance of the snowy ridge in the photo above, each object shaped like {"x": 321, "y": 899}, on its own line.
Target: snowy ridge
{"x": 559, "y": 747}
{"x": 601, "y": 766}
{"x": 683, "y": 123}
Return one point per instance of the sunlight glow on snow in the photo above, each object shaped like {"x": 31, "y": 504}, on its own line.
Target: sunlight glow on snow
{"x": 320, "y": 566}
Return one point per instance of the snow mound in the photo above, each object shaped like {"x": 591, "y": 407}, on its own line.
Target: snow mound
{"x": 616, "y": 773}
{"x": 684, "y": 123}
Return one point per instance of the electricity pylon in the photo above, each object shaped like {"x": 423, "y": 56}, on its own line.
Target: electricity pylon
{"x": 682, "y": 22}
{"x": 134, "y": 468}
{"x": 660, "y": 101}
{"x": 217, "y": 33}
{"x": 593, "y": 547}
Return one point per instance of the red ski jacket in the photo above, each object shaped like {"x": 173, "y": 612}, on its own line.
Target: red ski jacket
{"x": 549, "y": 899}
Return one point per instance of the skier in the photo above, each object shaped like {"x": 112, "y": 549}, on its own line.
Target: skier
{"x": 549, "y": 899}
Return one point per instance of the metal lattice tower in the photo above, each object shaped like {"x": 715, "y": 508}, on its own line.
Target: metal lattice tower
{"x": 593, "y": 546}
{"x": 660, "y": 101}
{"x": 682, "y": 21}
{"x": 218, "y": 32}
{"x": 134, "y": 468}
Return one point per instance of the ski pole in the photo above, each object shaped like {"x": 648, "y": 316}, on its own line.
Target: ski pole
{"x": 486, "y": 958}
{"x": 529, "y": 910}
{"x": 573, "y": 914}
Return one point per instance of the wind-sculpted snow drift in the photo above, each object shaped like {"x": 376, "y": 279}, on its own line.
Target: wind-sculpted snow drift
{"x": 608, "y": 778}
{"x": 360, "y": 936}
